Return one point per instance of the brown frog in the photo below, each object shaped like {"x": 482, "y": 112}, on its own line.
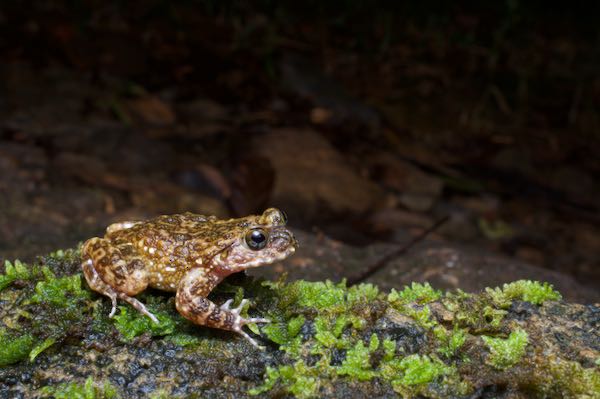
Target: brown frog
{"x": 188, "y": 254}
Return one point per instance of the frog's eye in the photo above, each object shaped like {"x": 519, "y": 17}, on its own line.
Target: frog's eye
{"x": 256, "y": 239}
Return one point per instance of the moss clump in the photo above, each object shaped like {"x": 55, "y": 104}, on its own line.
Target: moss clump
{"x": 505, "y": 353}
{"x": 298, "y": 379}
{"x": 14, "y": 348}
{"x": 51, "y": 308}
{"x": 525, "y": 290}
{"x": 416, "y": 293}
{"x": 413, "y": 370}
{"x": 57, "y": 291}
{"x": 284, "y": 334}
{"x": 422, "y": 315}
{"x": 325, "y": 295}
{"x": 13, "y": 272}
{"x": 132, "y": 323}
{"x": 450, "y": 341}
{"x": 184, "y": 340}
{"x": 88, "y": 390}
{"x": 357, "y": 363}
{"x": 474, "y": 312}
{"x": 554, "y": 377}
{"x": 337, "y": 318}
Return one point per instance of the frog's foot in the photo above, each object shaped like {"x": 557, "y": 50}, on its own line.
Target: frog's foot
{"x": 98, "y": 285}
{"x": 140, "y": 307}
{"x": 240, "y": 322}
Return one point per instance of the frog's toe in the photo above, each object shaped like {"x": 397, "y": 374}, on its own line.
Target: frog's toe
{"x": 249, "y": 339}
{"x": 225, "y": 306}
{"x": 140, "y": 307}
{"x": 237, "y": 310}
{"x": 113, "y": 310}
{"x": 256, "y": 320}
{"x": 152, "y": 317}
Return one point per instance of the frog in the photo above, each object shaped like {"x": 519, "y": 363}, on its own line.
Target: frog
{"x": 189, "y": 254}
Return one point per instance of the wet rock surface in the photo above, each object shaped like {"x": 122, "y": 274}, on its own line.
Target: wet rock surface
{"x": 322, "y": 257}
{"x": 557, "y": 358}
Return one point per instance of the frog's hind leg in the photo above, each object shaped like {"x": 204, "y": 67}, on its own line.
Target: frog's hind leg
{"x": 109, "y": 274}
{"x": 96, "y": 283}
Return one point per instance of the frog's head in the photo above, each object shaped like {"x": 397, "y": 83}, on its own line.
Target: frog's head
{"x": 259, "y": 240}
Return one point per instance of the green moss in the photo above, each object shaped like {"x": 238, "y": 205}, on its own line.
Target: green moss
{"x": 505, "y": 353}
{"x": 132, "y": 323}
{"x": 286, "y": 334}
{"x": 410, "y": 376}
{"x": 13, "y": 272}
{"x": 77, "y": 391}
{"x": 319, "y": 295}
{"x": 525, "y": 290}
{"x": 416, "y": 293}
{"x": 473, "y": 312}
{"x": 362, "y": 293}
{"x": 160, "y": 394}
{"x": 337, "y": 324}
{"x": 419, "y": 370}
{"x": 357, "y": 363}
{"x": 555, "y": 377}
{"x": 450, "y": 341}
{"x": 323, "y": 333}
{"x": 39, "y": 348}
{"x": 14, "y": 348}
{"x": 182, "y": 339}
{"x": 51, "y": 309}
{"x": 323, "y": 296}
{"x": 422, "y": 315}
{"x": 282, "y": 332}
{"x": 57, "y": 291}
{"x": 298, "y": 379}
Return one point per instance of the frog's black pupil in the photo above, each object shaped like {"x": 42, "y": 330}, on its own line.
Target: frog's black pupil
{"x": 257, "y": 239}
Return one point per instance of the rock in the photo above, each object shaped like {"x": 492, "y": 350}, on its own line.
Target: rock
{"x": 325, "y": 340}
{"x": 390, "y": 220}
{"x": 332, "y": 106}
{"x": 151, "y": 110}
{"x": 312, "y": 177}
{"x": 443, "y": 265}
{"x": 418, "y": 190}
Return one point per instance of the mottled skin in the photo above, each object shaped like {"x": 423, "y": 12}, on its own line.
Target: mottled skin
{"x": 188, "y": 254}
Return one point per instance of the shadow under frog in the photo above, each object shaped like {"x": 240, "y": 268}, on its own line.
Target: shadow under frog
{"x": 188, "y": 254}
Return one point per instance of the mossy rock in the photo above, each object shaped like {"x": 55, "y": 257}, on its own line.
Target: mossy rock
{"x": 326, "y": 340}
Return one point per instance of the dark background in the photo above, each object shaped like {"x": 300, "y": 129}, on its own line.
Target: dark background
{"x": 366, "y": 122}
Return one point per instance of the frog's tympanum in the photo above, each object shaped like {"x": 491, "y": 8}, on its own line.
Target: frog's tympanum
{"x": 188, "y": 254}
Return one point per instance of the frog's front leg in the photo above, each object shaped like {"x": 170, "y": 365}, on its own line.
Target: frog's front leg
{"x": 108, "y": 273}
{"x": 192, "y": 303}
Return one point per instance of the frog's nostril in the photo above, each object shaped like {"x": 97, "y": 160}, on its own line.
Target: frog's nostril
{"x": 283, "y": 240}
